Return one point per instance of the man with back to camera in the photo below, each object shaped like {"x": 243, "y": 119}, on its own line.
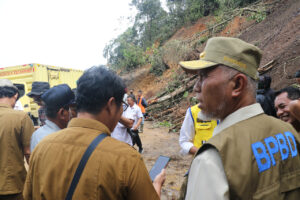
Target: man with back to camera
{"x": 251, "y": 155}
{"x": 56, "y": 102}
{"x": 113, "y": 171}
{"x": 284, "y": 98}
{"x": 15, "y": 131}
{"x": 265, "y": 95}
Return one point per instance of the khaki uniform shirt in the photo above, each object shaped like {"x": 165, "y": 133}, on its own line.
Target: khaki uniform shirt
{"x": 114, "y": 170}
{"x": 234, "y": 167}
{"x": 16, "y": 129}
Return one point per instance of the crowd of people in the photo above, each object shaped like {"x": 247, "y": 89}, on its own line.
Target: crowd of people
{"x": 83, "y": 149}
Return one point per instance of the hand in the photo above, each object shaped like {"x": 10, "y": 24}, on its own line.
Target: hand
{"x": 159, "y": 181}
{"x": 135, "y": 128}
{"x": 294, "y": 107}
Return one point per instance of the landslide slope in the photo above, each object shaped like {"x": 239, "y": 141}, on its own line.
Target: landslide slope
{"x": 278, "y": 36}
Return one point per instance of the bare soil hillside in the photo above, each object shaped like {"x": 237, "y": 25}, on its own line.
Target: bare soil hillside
{"x": 278, "y": 35}
{"x": 279, "y": 38}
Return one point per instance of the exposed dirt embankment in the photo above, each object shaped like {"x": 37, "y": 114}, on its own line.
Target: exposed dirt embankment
{"x": 279, "y": 38}
{"x": 278, "y": 35}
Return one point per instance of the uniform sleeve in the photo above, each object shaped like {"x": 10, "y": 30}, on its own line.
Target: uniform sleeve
{"x": 187, "y": 133}
{"x": 33, "y": 141}
{"x": 140, "y": 184}
{"x": 27, "y": 191}
{"x": 27, "y": 130}
{"x": 207, "y": 179}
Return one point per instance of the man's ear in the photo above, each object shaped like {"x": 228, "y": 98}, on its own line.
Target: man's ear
{"x": 111, "y": 105}
{"x": 16, "y": 96}
{"x": 60, "y": 113}
{"x": 13, "y": 100}
{"x": 239, "y": 83}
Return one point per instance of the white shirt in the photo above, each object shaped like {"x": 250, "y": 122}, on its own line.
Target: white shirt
{"x": 137, "y": 113}
{"x": 207, "y": 179}
{"x": 125, "y": 97}
{"x": 187, "y": 133}
{"x": 120, "y": 131}
{"x": 19, "y": 106}
{"x": 39, "y": 134}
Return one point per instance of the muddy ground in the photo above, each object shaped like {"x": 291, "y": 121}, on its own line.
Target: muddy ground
{"x": 158, "y": 141}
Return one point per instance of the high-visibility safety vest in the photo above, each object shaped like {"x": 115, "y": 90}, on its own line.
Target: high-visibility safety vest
{"x": 139, "y": 103}
{"x": 203, "y": 129}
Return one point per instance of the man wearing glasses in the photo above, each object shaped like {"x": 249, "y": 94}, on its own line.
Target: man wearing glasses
{"x": 126, "y": 121}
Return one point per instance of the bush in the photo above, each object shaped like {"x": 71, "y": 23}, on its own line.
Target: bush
{"x": 157, "y": 64}
{"x": 133, "y": 57}
{"x": 176, "y": 51}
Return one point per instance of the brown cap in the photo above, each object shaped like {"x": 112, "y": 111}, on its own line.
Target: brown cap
{"x": 231, "y": 52}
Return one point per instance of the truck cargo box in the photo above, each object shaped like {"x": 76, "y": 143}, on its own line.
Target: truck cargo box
{"x": 26, "y": 74}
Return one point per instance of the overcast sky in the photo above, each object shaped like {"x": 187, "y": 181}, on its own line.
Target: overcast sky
{"x": 65, "y": 33}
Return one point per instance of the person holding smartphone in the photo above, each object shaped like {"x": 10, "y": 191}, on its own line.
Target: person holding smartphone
{"x": 113, "y": 171}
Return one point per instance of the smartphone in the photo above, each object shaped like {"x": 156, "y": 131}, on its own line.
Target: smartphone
{"x": 160, "y": 164}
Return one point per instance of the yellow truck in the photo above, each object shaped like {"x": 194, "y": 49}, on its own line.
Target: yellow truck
{"x": 26, "y": 74}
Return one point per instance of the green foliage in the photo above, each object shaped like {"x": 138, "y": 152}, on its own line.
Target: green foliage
{"x": 157, "y": 64}
{"x": 175, "y": 51}
{"x": 229, "y": 4}
{"x": 154, "y": 25}
{"x": 186, "y": 94}
{"x": 201, "y": 41}
{"x": 165, "y": 124}
{"x": 199, "y": 8}
{"x": 193, "y": 101}
{"x": 149, "y": 20}
{"x": 123, "y": 54}
{"x": 259, "y": 16}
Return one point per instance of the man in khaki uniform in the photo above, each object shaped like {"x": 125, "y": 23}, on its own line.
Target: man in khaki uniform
{"x": 16, "y": 129}
{"x": 251, "y": 155}
{"x": 113, "y": 171}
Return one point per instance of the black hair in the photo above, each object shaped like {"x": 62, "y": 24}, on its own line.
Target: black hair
{"x": 292, "y": 93}
{"x": 132, "y": 97}
{"x": 268, "y": 81}
{"x": 264, "y": 82}
{"x": 51, "y": 112}
{"x": 7, "y": 91}
{"x": 95, "y": 87}
{"x": 297, "y": 74}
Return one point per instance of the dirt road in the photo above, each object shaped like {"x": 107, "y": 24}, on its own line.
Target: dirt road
{"x": 157, "y": 141}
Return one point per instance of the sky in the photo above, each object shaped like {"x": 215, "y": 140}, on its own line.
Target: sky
{"x": 64, "y": 33}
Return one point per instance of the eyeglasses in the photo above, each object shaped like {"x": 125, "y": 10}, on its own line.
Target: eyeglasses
{"x": 125, "y": 105}
{"x": 203, "y": 74}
